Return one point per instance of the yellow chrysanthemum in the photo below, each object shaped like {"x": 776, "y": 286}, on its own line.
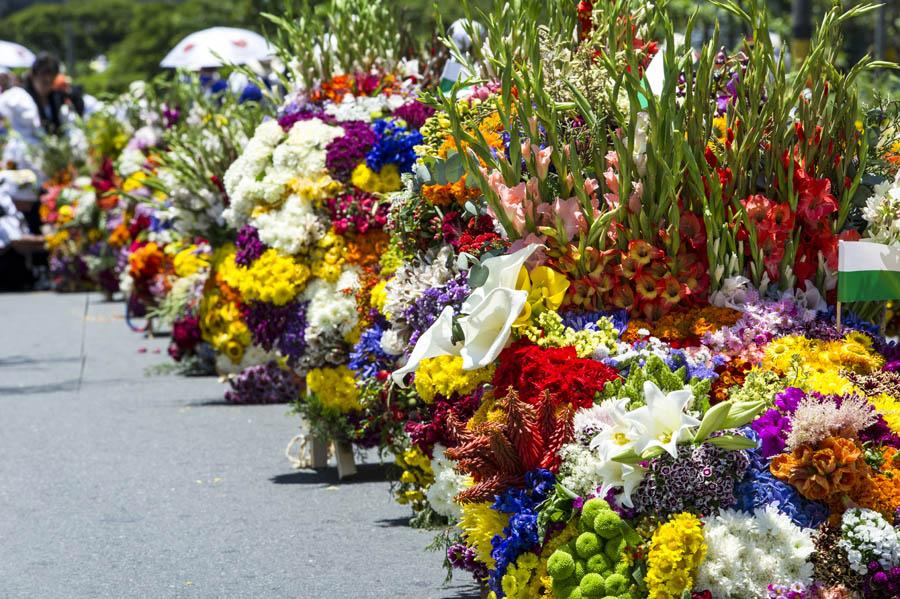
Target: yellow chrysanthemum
{"x": 189, "y": 261}
{"x": 385, "y": 181}
{"x": 378, "y": 296}
{"x": 676, "y": 550}
{"x": 273, "y": 278}
{"x": 335, "y": 388}
{"x": 444, "y": 375}
{"x": 479, "y": 524}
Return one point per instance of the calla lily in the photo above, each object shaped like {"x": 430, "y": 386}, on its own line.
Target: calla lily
{"x": 546, "y": 290}
{"x": 487, "y": 328}
{"x": 436, "y": 341}
{"x": 503, "y": 271}
{"x": 662, "y": 422}
{"x": 488, "y": 315}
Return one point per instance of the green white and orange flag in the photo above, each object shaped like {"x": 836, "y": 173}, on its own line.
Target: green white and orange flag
{"x": 868, "y": 271}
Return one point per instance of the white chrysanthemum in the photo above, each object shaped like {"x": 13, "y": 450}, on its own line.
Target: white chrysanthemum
{"x": 329, "y": 308}
{"x": 412, "y": 279}
{"x": 447, "y": 484}
{"x": 363, "y": 108}
{"x": 747, "y": 552}
{"x": 291, "y": 228}
{"x": 392, "y": 343}
{"x": 244, "y": 171}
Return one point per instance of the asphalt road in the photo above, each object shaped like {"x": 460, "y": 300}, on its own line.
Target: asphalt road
{"x": 118, "y": 484}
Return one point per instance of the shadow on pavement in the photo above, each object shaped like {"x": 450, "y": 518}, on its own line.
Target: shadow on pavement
{"x": 71, "y": 385}
{"x": 401, "y": 522}
{"x": 28, "y": 361}
{"x": 470, "y": 591}
{"x": 365, "y": 473}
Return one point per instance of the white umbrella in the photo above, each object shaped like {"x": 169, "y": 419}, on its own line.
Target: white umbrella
{"x": 215, "y": 47}
{"x": 15, "y": 56}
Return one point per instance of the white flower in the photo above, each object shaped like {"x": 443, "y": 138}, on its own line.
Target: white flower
{"x": 734, "y": 293}
{"x": 489, "y": 313}
{"x": 747, "y": 552}
{"x": 882, "y": 212}
{"x": 447, "y": 484}
{"x": 291, "y": 228}
{"x": 866, "y": 537}
{"x": 662, "y": 421}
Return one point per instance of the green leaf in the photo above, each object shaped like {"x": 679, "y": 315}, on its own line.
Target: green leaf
{"x": 449, "y": 170}
{"x": 732, "y": 442}
{"x": 478, "y": 274}
{"x": 712, "y": 421}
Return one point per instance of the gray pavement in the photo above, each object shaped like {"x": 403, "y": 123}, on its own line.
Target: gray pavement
{"x": 118, "y": 484}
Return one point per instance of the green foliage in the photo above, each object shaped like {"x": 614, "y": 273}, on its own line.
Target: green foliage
{"x": 668, "y": 380}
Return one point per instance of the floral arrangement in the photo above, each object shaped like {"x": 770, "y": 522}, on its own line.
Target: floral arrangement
{"x": 613, "y": 371}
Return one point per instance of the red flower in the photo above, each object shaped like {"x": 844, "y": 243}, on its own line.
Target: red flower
{"x": 815, "y": 198}
{"x": 531, "y": 371}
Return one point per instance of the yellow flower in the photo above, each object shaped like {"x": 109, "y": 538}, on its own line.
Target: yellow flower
{"x": 273, "y": 278}
{"x": 444, "y": 375}
{"x": 335, "y": 388}
{"x": 134, "y": 182}
{"x": 479, "y": 524}
{"x": 188, "y": 262}
{"x": 385, "y": 181}
{"x": 378, "y": 296}
{"x": 676, "y": 550}
{"x": 889, "y": 407}
{"x": 546, "y": 291}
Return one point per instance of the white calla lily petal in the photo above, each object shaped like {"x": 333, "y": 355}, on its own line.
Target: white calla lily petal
{"x": 436, "y": 341}
{"x": 503, "y": 271}
{"x": 487, "y": 327}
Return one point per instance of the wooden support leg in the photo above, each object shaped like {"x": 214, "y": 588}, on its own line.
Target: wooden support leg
{"x": 319, "y": 453}
{"x": 343, "y": 451}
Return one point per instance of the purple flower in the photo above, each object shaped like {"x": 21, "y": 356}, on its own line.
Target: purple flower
{"x": 414, "y": 113}
{"x": 345, "y": 153}
{"x": 248, "y": 245}
{"x": 263, "y": 384}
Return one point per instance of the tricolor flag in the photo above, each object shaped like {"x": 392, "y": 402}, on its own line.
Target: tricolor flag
{"x": 868, "y": 271}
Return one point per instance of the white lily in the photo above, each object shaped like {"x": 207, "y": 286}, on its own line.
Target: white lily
{"x": 662, "y": 422}
{"x": 612, "y": 441}
{"x": 488, "y": 315}
{"x": 613, "y": 474}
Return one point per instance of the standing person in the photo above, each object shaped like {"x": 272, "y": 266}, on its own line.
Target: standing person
{"x": 33, "y": 110}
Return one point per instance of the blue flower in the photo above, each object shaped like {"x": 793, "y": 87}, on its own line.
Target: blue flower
{"x": 394, "y": 145}
{"x": 367, "y": 358}
{"x": 521, "y": 534}
{"x": 760, "y": 488}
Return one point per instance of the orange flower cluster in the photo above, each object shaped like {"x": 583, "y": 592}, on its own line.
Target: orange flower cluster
{"x": 366, "y": 250}
{"x": 450, "y": 193}
{"x": 490, "y": 128}
{"x": 119, "y": 236}
{"x": 834, "y": 468}
{"x": 146, "y": 261}
{"x": 880, "y": 492}
{"x": 733, "y": 374}
{"x": 681, "y": 326}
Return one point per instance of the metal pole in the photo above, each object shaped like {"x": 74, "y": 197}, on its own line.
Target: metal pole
{"x": 801, "y": 31}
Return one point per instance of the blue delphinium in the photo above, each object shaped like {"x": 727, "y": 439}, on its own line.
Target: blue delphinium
{"x": 395, "y": 144}
{"x": 367, "y": 358}
{"x": 760, "y": 488}
{"x": 292, "y": 343}
{"x": 521, "y": 534}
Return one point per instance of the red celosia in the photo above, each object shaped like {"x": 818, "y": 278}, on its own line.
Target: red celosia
{"x": 532, "y": 371}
